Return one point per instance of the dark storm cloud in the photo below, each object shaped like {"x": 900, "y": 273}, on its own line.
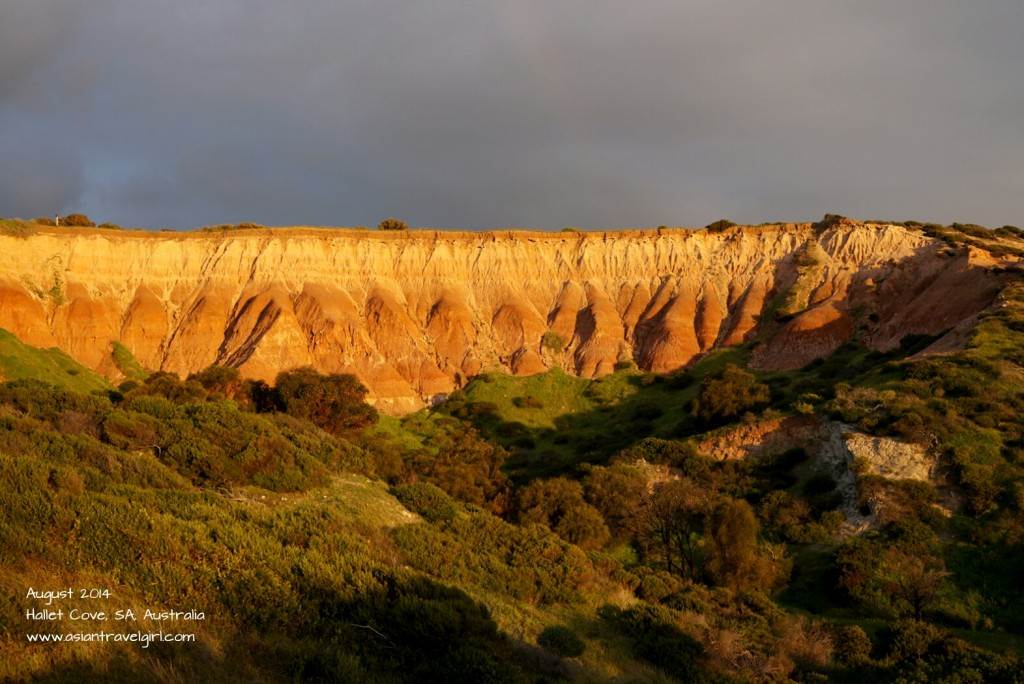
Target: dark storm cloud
{"x": 577, "y": 112}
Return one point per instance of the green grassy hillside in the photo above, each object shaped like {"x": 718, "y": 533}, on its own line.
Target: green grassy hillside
{"x": 21, "y": 361}
{"x": 126, "y": 362}
{"x": 554, "y": 421}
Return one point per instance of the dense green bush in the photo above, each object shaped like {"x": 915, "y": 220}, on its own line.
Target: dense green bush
{"x": 736, "y": 559}
{"x": 853, "y": 646}
{"x": 617, "y": 492}
{"x": 427, "y": 500}
{"x": 335, "y": 403}
{"x": 208, "y": 441}
{"x": 552, "y": 342}
{"x": 220, "y": 381}
{"x": 728, "y": 395}
{"x": 462, "y": 463}
{"x": 559, "y": 505}
{"x": 168, "y": 386}
{"x": 562, "y": 641}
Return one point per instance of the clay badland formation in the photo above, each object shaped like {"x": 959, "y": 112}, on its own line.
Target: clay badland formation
{"x": 416, "y": 314}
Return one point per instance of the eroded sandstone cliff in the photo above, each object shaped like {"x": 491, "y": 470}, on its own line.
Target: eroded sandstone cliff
{"x": 416, "y": 314}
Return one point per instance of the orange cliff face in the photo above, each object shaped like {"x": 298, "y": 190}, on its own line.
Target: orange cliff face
{"x": 414, "y": 315}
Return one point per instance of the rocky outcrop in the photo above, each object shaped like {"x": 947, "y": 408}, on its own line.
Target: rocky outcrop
{"x": 761, "y": 439}
{"x": 848, "y": 455}
{"x": 836, "y": 449}
{"x": 416, "y": 314}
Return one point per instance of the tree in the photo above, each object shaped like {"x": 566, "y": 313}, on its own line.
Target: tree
{"x": 392, "y": 223}
{"x": 896, "y": 580}
{"x": 219, "y": 380}
{"x": 673, "y": 520}
{"x": 463, "y": 464}
{"x": 170, "y": 386}
{"x": 77, "y": 220}
{"x": 616, "y": 491}
{"x": 558, "y": 503}
{"x": 582, "y": 525}
{"x": 733, "y": 539}
{"x": 729, "y": 394}
{"x": 335, "y": 403}
{"x": 735, "y": 559}
{"x": 258, "y": 396}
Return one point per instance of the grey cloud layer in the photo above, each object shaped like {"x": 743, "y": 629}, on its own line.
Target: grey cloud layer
{"x": 477, "y": 114}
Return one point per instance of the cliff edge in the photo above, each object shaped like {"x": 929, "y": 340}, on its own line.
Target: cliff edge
{"x": 416, "y": 314}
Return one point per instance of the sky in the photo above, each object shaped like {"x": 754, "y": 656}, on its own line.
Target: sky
{"x": 485, "y": 113}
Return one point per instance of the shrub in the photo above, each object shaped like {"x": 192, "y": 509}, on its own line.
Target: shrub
{"x": 972, "y": 229}
{"x": 130, "y": 431}
{"x": 335, "y": 403}
{"x": 77, "y": 220}
{"x": 617, "y": 492}
{"x": 528, "y": 563}
{"x": 893, "y": 578}
{"x": 735, "y": 559}
{"x": 728, "y": 395}
{"x": 219, "y": 380}
{"x": 806, "y": 643}
{"x": 392, "y": 223}
{"x": 1009, "y": 231}
{"x": 733, "y": 537}
{"x": 656, "y": 585}
{"x": 528, "y": 401}
{"x": 558, "y": 503}
{"x": 562, "y": 641}
{"x": 719, "y": 226}
{"x": 909, "y": 639}
{"x": 16, "y": 228}
{"x": 427, "y": 500}
{"x": 656, "y": 639}
{"x": 852, "y": 644}
{"x": 463, "y": 464}
{"x": 169, "y": 386}
{"x": 552, "y": 342}
{"x": 829, "y": 221}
